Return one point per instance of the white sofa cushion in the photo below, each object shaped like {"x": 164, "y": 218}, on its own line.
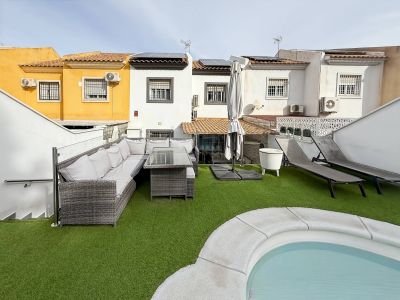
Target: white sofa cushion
{"x": 81, "y": 169}
{"x": 190, "y": 173}
{"x": 101, "y": 162}
{"x": 137, "y": 146}
{"x": 186, "y": 143}
{"x": 155, "y": 144}
{"x": 121, "y": 178}
{"x": 114, "y": 155}
{"x": 124, "y": 149}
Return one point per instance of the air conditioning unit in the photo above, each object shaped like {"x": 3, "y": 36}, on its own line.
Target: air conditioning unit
{"x": 28, "y": 82}
{"x": 112, "y": 77}
{"x": 329, "y": 104}
{"x": 295, "y": 109}
{"x": 195, "y": 101}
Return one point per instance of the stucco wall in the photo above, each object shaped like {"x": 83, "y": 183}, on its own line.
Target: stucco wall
{"x": 311, "y": 94}
{"x": 255, "y": 90}
{"x": 161, "y": 115}
{"x": 27, "y": 138}
{"x": 198, "y": 86}
{"x": 352, "y": 107}
{"x": 11, "y": 75}
{"x": 373, "y": 140}
{"x": 75, "y": 108}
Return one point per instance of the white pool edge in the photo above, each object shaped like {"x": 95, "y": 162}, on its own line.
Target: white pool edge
{"x": 231, "y": 251}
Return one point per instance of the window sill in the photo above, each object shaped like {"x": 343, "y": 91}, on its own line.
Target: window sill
{"x": 95, "y": 101}
{"x": 277, "y": 98}
{"x": 160, "y": 102}
{"x": 349, "y": 97}
{"x": 48, "y": 101}
{"x": 214, "y": 103}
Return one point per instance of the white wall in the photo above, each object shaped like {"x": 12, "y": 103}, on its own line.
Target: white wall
{"x": 374, "y": 139}
{"x": 352, "y": 107}
{"x": 161, "y": 115}
{"x": 255, "y": 90}
{"x": 311, "y": 94}
{"x": 27, "y": 138}
{"x": 208, "y": 111}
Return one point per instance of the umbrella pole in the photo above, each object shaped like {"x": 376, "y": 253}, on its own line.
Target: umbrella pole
{"x": 233, "y": 148}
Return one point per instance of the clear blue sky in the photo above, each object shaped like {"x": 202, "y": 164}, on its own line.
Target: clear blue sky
{"x": 216, "y": 28}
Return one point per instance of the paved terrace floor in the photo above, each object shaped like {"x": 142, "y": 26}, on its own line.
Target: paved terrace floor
{"x": 155, "y": 239}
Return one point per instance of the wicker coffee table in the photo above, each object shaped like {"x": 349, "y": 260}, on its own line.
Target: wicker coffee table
{"x": 168, "y": 171}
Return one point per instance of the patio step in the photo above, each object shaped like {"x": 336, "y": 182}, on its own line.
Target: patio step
{"x": 27, "y": 217}
{"x": 11, "y": 217}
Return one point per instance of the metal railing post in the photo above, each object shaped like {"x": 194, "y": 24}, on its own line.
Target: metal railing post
{"x": 55, "y": 187}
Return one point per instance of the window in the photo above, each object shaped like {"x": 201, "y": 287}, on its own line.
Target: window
{"x": 94, "y": 89}
{"x": 49, "y": 91}
{"x": 159, "y": 133}
{"x": 159, "y": 90}
{"x": 277, "y": 87}
{"x": 215, "y": 93}
{"x": 349, "y": 85}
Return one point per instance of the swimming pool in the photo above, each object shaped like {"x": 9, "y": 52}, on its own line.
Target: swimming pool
{"x": 316, "y": 270}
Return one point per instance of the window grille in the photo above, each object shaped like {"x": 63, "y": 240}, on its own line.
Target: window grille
{"x": 159, "y": 133}
{"x": 216, "y": 93}
{"x": 49, "y": 90}
{"x": 95, "y": 89}
{"x": 160, "y": 90}
{"x": 349, "y": 85}
{"x": 194, "y": 115}
{"x": 277, "y": 87}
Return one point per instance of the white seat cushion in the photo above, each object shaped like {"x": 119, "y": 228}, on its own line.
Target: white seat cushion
{"x": 155, "y": 144}
{"x": 114, "y": 154}
{"x": 101, "y": 162}
{"x": 137, "y": 146}
{"x": 121, "y": 178}
{"x": 186, "y": 143}
{"x": 81, "y": 169}
{"x": 137, "y": 157}
{"x": 190, "y": 173}
{"x": 124, "y": 149}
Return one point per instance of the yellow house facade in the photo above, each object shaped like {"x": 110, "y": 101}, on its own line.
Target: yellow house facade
{"x": 90, "y": 86}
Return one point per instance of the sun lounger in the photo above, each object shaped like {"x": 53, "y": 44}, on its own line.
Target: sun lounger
{"x": 334, "y": 156}
{"x": 295, "y": 156}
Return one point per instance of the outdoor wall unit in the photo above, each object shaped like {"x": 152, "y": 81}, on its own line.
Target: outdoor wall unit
{"x": 112, "y": 77}
{"x": 295, "y": 109}
{"x": 28, "y": 82}
{"x": 329, "y": 105}
{"x": 195, "y": 101}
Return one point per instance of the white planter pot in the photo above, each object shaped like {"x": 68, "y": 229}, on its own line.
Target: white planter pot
{"x": 270, "y": 159}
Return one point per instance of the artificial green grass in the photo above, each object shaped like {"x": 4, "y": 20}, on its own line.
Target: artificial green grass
{"x": 154, "y": 239}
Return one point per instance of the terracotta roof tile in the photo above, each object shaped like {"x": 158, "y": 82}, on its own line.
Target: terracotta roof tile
{"x": 80, "y": 57}
{"x": 218, "y": 126}
{"x": 55, "y": 63}
{"x": 272, "y": 60}
{"x": 98, "y": 57}
{"x": 344, "y": 54}
{"x": 199, "y": 67}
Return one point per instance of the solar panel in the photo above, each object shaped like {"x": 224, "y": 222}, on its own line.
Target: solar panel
{"x": 215, "y": 62}
{"x": 159, "y": 55}
{"x": 263, "y": 58}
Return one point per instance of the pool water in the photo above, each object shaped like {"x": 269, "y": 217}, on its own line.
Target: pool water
{"x": 311, "y": 270}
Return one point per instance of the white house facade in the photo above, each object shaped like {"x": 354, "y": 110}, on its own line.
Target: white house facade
{"x": 160, "y": 94}
{"x": 210, "y": 82}
{"x": 340, "y": 83}
{"x": 272, "y": 85}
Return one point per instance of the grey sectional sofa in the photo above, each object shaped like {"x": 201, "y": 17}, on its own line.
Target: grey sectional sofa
{"x": 96, "y": 185}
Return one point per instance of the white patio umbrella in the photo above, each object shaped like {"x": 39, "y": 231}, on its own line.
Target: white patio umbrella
{"x": 234, "y": 140}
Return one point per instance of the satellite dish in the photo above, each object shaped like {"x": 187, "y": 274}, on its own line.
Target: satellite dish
{"x": 248, "y": 109}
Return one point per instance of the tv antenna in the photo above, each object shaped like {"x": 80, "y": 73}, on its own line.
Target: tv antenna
{"x": 187, "y": 44}
{"x": 278, "y": 40}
